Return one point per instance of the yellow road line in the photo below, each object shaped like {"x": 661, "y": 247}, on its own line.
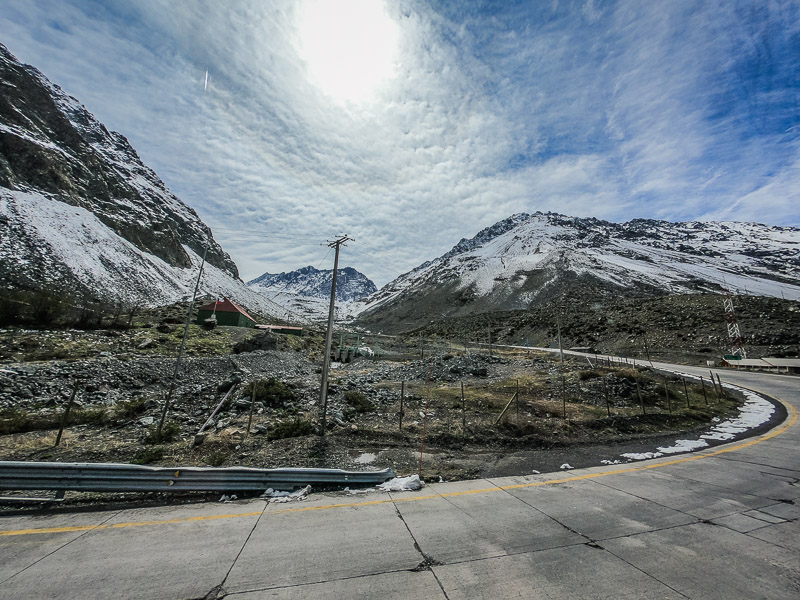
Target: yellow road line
{"x": 699, "y": 456}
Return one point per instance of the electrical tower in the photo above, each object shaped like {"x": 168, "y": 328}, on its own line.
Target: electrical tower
{"x": 734, "y": 333}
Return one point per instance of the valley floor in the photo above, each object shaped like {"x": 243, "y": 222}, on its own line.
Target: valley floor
{"x": 479, "y": 415}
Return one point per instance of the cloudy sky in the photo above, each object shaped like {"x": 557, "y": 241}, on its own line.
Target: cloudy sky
{"x": 409, "y": 125}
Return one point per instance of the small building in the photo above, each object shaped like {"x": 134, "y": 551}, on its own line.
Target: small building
{"x": 226, "y": 313}
{"x": 784, "y": 365}
{"x": 776, "y": 365}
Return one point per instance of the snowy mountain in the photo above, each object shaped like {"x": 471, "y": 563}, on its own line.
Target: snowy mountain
{"x": 527, "y": 260}
{"x": 307, "y": 291}
{"x": 81, "y": 214}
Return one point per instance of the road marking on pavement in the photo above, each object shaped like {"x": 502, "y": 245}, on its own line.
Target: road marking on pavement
{"x": 793, "y": 416}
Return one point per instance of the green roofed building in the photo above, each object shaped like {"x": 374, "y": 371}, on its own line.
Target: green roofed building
{"x": 226, "y": 313}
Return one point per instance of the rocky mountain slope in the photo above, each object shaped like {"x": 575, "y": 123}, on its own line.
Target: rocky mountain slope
{"x": 307, "y": 291}
{"x": 81, "y": 213}
{"x": 530, "y": 260}
{"x": 308, "y": 281}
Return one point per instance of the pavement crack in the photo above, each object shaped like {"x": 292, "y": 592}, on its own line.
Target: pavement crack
{"x": 76, "y": 538}
{"x": 656, "y": 502}
{"x": 428, "y": 562}
{"x": 646, "y": 574}
{"x": 539, "y": 510}
{"x": 218, "y": 592}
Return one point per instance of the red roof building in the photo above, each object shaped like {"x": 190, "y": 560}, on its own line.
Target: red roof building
{"x": 226, "y": 313}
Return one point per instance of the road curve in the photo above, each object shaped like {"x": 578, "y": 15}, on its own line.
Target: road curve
{"x": 721, "y": 523}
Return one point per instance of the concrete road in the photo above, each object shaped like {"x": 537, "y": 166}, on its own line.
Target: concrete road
{"x": 723, "y": 523}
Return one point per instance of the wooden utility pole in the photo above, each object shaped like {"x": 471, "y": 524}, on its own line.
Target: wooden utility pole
{"x": 326, "y": 358}
{"x": 183, "y": 347}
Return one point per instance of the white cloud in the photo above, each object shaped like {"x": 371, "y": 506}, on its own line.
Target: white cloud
{"x": 614, "y": 110}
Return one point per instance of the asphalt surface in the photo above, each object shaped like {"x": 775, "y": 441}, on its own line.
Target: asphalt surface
{"x": 721, "y": 523}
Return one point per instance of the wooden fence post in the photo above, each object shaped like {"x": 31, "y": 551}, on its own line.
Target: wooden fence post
{"x": 666, "y": 393}
{"x": 65, "y": 416}
{"x": 252, "y": 405}
{"x": 639, "y": 393}
{"x": 402, "y": 398}
{"x": 686, "y": 391}
{"x": 463, "y": 410}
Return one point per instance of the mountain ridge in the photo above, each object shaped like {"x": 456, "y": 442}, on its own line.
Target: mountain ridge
{"x": 528, "y": 259}
{"x": 80, "y": 213}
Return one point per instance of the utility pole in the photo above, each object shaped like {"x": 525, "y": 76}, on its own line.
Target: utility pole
{"x": 183, "y": 346}
{"x": 326, "y": 358}
{"x": 560, "y": 348}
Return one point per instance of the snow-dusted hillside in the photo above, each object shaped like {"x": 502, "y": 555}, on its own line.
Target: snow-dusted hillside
{"x": 307, "y": 291}
{"x": 525, "y": 258}
{"x": 80, "y": 213}
{"x": 46, "y": 241}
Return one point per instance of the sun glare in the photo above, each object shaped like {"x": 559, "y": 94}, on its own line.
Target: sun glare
{"x": 349, "y": 46}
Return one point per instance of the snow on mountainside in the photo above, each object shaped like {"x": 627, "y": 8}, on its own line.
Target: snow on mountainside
{"x": 81, "y": 213}
{"x": 522, "y": 260}
{"x": 71, "y": 243}
{"x": 307, "y": 291}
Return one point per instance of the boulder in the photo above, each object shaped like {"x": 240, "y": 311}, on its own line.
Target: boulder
{"x": 262, "y": 341}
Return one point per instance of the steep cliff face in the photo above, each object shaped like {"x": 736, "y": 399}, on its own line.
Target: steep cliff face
{"x": 52, "y": 148}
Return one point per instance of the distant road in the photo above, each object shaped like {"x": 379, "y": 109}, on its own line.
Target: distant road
{"x": 723, "y": 523}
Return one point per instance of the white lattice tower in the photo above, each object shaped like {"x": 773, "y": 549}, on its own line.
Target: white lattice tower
{"x": 734, "y": 333}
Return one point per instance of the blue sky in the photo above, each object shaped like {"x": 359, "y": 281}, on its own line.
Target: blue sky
{"x": 410, "y": 125}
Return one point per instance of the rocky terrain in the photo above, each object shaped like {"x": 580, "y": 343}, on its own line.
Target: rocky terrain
{"x": 378, "y": 409}
{"x": 688, "y": 328}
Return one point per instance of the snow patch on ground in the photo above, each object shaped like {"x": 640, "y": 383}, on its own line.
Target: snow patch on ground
{"x": 278, "y": 496}
{"x": 755, "y": 411}
{"x": 402, "y": 484}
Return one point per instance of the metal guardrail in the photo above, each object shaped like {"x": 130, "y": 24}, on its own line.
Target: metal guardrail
{"x": 110, "y": 477}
